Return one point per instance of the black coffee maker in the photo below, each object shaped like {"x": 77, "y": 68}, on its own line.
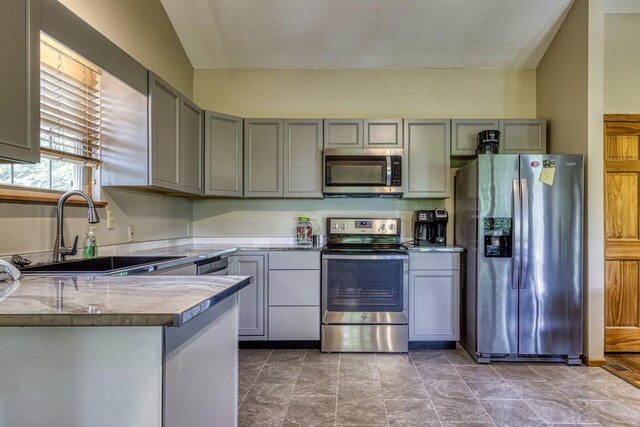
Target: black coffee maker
{"x": 430, "y": 227}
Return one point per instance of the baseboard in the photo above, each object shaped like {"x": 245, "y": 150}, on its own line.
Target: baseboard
{"x": 432, "y": 345}
{"x": 593, "y": 362}
{"x": 308, "y": 345}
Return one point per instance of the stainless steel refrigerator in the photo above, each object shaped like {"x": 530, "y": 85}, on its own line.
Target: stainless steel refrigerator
{"x": 519, "y": 217}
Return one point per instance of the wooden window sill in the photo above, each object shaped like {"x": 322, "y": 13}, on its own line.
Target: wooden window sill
{"x": 41, "y": 197}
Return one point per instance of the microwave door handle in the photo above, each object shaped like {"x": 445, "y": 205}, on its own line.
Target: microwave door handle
{"x": 388, "y": 171}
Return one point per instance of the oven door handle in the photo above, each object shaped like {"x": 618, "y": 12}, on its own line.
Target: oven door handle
{"x": 364, "y": 257}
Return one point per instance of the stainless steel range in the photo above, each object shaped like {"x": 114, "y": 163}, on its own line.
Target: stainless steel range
{"x": 365, "y": 277}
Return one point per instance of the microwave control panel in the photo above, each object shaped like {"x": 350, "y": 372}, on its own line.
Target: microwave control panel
{"x": 396, "y": 171}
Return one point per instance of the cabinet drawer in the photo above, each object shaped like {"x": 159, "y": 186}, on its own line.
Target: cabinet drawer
{"x": 294, "y": 260}
{"x": 434, "y": 261}
{"x": 294, "y": 323}
{"x": 294, "y": 287}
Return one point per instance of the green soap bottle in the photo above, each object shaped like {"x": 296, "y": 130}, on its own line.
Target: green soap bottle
{"x": 90, "y": 246}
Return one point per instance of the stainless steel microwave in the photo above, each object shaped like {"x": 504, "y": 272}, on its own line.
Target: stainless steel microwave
{"x": 362, "y": 172}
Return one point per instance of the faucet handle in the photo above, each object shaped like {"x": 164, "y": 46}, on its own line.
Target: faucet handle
{"x": 74, "y": 249}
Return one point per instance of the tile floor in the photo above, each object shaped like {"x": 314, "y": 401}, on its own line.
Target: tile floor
{"x": 425, "y": 388}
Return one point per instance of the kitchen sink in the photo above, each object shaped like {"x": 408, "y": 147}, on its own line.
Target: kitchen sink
{"x": 100, "y": 265}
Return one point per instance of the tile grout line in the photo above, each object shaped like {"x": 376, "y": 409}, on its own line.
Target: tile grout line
{"x": 294, "y": 387}
{"x": 384, "y": 404}
{"x": 424, "y": 386}
{"x": 472, "y": 393}
{"x": 335, "y": 423}
{"x": 254, "y": 380}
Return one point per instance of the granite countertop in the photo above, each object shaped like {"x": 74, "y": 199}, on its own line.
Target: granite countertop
{"x": 112, "y": 301}
{"x": 413, "y": 248}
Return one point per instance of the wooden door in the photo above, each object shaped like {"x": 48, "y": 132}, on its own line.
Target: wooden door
{"x": 263, "y": 158}
{"x": 223, "y": 155}
{"x": 622, "y": 234}
{"x": 303, "y": 158}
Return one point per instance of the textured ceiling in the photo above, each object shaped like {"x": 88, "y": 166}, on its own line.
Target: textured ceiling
{"x": 366, "y": 33}
{"x": 622, "y": 6}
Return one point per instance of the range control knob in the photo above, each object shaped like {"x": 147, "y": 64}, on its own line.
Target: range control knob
{"x": 343, "y": 226}
{"x": 334, "y": 226}
{"x": 392, "y": 226}
{"x": 383, "y": 226}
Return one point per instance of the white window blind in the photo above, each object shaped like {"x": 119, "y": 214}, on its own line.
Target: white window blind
{"x": 69, "y": 105}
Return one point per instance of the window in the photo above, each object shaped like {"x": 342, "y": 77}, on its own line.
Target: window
{"x": 70, "y": 116}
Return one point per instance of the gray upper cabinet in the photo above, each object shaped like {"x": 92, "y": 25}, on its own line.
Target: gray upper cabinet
{"x": 464, "y": 132}
{"x": 343, "y": 133}
{"x": 263, "y": 158}
{"x": 523, "y": 136}
{"x": 164, "y": 122}
{"x": 426, "y": 158}
{"x": 190, "y": 147}
{"x": 303, "y": 158}
{"x": 383, "y": 133}
{"x": 20, "y": 80}
{"x": 223, "y": 155}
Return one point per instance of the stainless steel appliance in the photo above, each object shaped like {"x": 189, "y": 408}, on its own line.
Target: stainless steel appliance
{"x": 365, "y": 275}
{"x": 353, "y": 172}
{"x": 430, "y": 227}
{"x": 519, "y": 217}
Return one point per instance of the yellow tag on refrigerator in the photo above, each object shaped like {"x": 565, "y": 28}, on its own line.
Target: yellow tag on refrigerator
{"x": 548, "y": 172}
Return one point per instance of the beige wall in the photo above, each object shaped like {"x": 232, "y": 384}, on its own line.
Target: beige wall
{"x": 143, "y": 30}
{"x": 622, "y": 63}
{"x": 31, "y": 228}
{"x": 570, "y": 96}
{"x": 424, "y": 93}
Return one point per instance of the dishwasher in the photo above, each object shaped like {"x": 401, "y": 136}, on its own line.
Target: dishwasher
{"x": 215, "y": 267}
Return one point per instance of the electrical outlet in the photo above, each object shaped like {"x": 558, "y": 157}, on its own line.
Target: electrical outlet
{"x": 111, "y": 220}
{"x": 188, "y": 230}
{"x": 132, "y": 235}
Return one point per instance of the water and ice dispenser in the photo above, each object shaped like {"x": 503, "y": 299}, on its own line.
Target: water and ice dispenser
{"x": 498, "y": 237}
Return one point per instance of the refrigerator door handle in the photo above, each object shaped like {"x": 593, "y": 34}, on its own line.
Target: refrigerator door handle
{"x": 525, "y": 233}
{"x": 517, "y": 215}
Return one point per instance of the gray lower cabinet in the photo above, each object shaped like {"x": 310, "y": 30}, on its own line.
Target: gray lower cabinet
{"x": 303, "y": 158}
{"x": 523, "y": 136}
{"x": 20, "y": 80}
{"x": 252, "y": 299}
{"x": 343, "y": 133}
{"x": 426, "y": 158}
{"x": 464, "y": 133}
{"x": 434, "y": 296}
{"x": 263, "y": 158}
{"x": 294, "y": 296}
{"x": 383, "y": 133}
{"x": 223, "y": 155}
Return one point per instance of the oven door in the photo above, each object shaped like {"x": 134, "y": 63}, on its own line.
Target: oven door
{"x": 365, "y": 289}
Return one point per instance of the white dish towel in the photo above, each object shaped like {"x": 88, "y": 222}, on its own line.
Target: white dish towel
{"x": 8, "y": 272}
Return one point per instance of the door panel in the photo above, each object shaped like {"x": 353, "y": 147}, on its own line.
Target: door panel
{"x": 622, "y": 243}
{"x": 551, "y": 279}
{"x": 497, "y": 300}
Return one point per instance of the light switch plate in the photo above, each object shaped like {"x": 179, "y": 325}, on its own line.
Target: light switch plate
{"x": 111, "y": 220}
{"x": 131, "y": 231}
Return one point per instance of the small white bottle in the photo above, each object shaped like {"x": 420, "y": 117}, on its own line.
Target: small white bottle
{"x": 90, "y": 246}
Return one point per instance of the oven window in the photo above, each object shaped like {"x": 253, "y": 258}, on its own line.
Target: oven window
{"x": 356, "y": 171}
{"x": 361, "y": 285}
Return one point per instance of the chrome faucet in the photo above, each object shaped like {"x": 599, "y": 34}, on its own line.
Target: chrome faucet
{"x": 59, "y": 250}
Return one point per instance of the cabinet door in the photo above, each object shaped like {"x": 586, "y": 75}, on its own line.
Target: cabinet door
{"x": 434, "y": 300}
{"x": 383, "y": 133}
{"x": 303, "y": 158}
{"x": 223, "y": 155}
{"x": 426, "y": 158}
{"x": 263, "y": 158}
{"x": 523, "y": 136}
{"x": 164, "y": 119}
{"x": 464, "y": 133}
{"x": 20, "y": 80}
{"x": 190, "y": 147}
{"x": 251, "y": 299}
{"x": 343, "y": 133}
{"x": 294, "y": 323}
